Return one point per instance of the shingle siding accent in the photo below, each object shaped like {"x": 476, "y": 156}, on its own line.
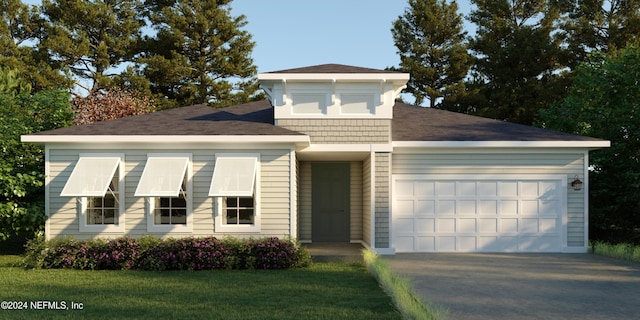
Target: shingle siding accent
{"x": 366, "y": 201}
{"x": 341, "y": 131}
{"x": 570, "y": 164}
{"x": 382, "y": 204}
{"x": 274, "y": 206}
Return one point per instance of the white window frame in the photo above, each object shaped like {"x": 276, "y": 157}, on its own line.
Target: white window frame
{"x": 82, "y": 201}
{"x": 220, "y": 226}
{"x": 150, "y": 200}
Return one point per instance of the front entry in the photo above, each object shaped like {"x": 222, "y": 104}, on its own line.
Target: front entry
{"x": 330, "y": 202}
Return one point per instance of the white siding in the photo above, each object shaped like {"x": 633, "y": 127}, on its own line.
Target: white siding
{"x": 275, "y": 190}
{"x": 496, "y": 162}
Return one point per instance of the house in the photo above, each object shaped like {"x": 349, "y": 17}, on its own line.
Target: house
{"x": 329, "y": 157}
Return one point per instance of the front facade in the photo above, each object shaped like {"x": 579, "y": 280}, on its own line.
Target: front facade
{"x": 329, "y": 157}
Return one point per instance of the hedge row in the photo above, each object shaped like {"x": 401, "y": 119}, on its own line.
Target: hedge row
{"x": 151, "y": 253}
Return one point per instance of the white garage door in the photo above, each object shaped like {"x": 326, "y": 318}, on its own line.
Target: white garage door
{"x": 461, "y": 213}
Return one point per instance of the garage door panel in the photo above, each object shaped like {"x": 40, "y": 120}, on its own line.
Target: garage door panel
{"x": 446, "y": 208}
{"x": 471, "y": 214}
{"x": 425, "y": 225}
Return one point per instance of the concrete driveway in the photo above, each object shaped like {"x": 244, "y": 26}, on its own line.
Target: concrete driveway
{"x": 524, "y": 286}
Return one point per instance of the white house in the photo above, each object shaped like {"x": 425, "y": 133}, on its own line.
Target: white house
{"x": 329, "y": 157}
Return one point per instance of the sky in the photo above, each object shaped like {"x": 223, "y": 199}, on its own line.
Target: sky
{"x": 297, "y": 33}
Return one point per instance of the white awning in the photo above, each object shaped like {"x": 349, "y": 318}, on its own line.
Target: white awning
{"x": 162, "y": 176}
{"x": 233, "y": 177}
{"x": 91, "y": 177}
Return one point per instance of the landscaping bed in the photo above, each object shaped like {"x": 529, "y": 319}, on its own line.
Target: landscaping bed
{"x": 151, "y": 253}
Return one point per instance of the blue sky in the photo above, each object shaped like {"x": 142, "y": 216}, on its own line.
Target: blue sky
{"x": 295, "y": 33}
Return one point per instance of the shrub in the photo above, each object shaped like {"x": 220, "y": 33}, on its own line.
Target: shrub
{"x": 150, "y": 253}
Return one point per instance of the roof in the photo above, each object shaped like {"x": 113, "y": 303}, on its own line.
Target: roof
{"x": 254, "y": 118}
{"x": 415, "y": 123}
{"x": 332, "y": 68}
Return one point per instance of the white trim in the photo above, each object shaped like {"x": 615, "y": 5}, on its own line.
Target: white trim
{"x": 390, "y": 199}
{"x": 293, "y": 194}
{"x": 372, "y": 200}
{"x": 503, "y": 144}
{"x": 256, "y": 227}
{"x": 384, "y": 251}
{"x": 585, "y": 189}
{"x": 149, "y": 200}
{"x": 347, "y": 148}
{"x": 47, "y": 193}
{"x": 337, "y": 77}
{"x": 226, "y": 139}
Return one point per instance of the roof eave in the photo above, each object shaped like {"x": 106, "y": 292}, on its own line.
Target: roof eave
{"x": 392, "y": 76}
{"x": 590, "y": 144}
{"x": 165, "y": 138}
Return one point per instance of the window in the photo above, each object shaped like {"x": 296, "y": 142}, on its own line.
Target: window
{"x": 166, "y": 184}
{"x": 96, "y": 182}
{"x": 234, "y": 186}
{"x": 238, "y": 210}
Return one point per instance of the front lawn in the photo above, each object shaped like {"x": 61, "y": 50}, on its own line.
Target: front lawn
{"x": 322, "y": 291}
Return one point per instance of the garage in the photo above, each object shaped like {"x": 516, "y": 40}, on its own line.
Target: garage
{"x": 479, "y": 213}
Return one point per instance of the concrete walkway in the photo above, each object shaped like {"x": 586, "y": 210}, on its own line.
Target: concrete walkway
{"x": 524, "y": 286}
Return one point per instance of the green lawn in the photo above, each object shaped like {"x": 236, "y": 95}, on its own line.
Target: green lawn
{"x": 322, "y": 291}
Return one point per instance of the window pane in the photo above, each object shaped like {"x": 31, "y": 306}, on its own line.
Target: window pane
{"x": 178, "y": 202}
{"x": 179, "y": 216}
{"x": 246, "y": 202}
{"x": 164, "y": 202}
{"x": 232, "y": 217}
{"x": 109, "y": 216}
{"x": 232, "y": 202}
{"x": 109, "y": 201}
{"x": 94, "y": 216}
{"x": 94, "y": 202}
{"x": 246, "y": 216}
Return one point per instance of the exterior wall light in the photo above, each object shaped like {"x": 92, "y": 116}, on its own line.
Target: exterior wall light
{"x": 576, "y": 184}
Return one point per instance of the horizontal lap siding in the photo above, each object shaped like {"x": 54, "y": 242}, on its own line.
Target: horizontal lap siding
{"x": 275, "y": 191}
{"x": 570, "y": 164}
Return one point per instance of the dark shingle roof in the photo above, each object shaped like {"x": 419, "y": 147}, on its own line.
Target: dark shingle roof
{"x": 255, "y": 118}
{"x": 332, "y": 68}
{"x": 414, "y": 123}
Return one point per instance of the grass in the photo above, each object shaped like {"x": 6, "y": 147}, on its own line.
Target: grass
{"x": 623, "y": 251}
{"x": 400, "y": 291}
{"x": 322, "y": 291}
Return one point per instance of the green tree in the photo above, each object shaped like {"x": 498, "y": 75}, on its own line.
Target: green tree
{"x": 599, "y": 25}
{"x": 604, "y": 102}
{"x": 92, "y": 39}
{"x": 429, "y": 37}
{"x": 517, "y": 59}
{"x": 22, "y": 165}
{"x": 20, "y": 29}
{"x": 199, "y": 54}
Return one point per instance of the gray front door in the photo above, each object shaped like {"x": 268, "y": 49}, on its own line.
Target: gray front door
{"x": 330, "y": 202}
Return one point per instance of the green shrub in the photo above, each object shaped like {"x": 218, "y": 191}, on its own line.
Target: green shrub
{"x": 149, "y": 253}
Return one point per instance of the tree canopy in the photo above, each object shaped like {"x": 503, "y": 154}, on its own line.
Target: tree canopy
{"x": 429, "y": 37}
{"x": 604, "y": 102}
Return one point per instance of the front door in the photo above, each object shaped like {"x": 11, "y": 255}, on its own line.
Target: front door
{"x": 330, "y": 202}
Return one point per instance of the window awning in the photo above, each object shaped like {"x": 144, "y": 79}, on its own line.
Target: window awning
{"x": 162, "y": 177}
{"x": 91, "y": 177}
{"x": 233, "y": 177}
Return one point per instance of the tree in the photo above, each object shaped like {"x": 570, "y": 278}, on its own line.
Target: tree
{"x": 429, "y": 37}
{"x": 107, "y": 105}
{"x": 200, "y": 54}
{"x": 604, "y": 102}
{"x": 92, "y": 38}
{"x": 599, "y": 25}
{"x": 20, "y": 28}
{"x": 22, "y": 165}
{"x": 518, "y": 60}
